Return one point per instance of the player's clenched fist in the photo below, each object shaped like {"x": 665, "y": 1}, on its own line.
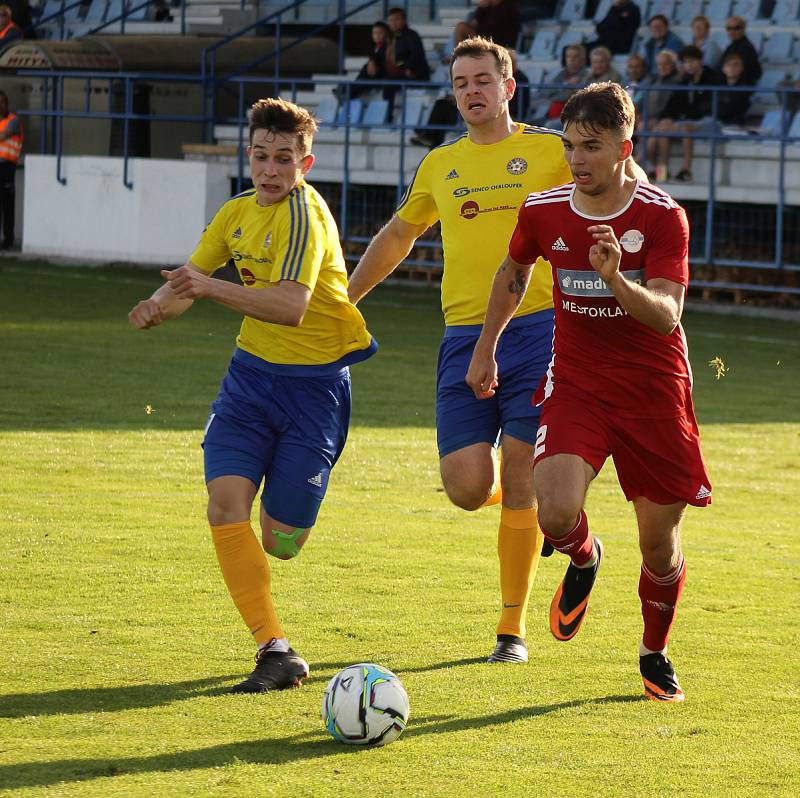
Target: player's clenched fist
{"x": 146, "y": 314}
{"x": 186, "y": 282}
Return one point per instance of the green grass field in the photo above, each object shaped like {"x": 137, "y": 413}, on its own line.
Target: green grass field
{"x": 118, "y": 639}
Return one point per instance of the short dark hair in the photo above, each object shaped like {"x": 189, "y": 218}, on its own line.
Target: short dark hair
{"x": 690, "y": 51}
{"x": 599, "y": 107}
{"x": 282, "y": 116}
{"x": 397, "y": 10}
{"x": 658, "y": 16}
{"x": 476, "y": 46}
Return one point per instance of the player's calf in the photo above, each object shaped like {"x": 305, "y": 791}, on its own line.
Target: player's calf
{"x": 284, "y": 545}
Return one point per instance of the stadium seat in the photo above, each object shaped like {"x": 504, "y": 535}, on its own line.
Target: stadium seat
{"x": 568, "y": 37}
{"x": 441, "y": 74}
{"x": 771, "y": 125}
{"x": 376, "y": 113}
{"x": 778, "y": 48}
{"x": 757, "y": 38}
{"x": 50, "y": 7}
{"x": 139, "y": 14}
{"x": 749, "y": 10}
{"x": 721, "y": 38}
{"x": 97, "y": 11}
{"x": 602, "y": 9}
{"x": 326, "y": 110}
{"x": 665, "y": 7}
{"x": 542, "y": 46}
{"x": 535, "y": 75}
{"x": 687, "y": 10}
{"x": 770, "y": 79}
{"x": 350, "y": 111}
{"x": 794, "y": 128}
{"x": 785, "y": 12}
{"x": 71, "y": 14}
{"x": 718, "y": 11}
{"x": 572, "y": 11}
{"x": 114, "y": 9}
{"x": 415, "y": 108}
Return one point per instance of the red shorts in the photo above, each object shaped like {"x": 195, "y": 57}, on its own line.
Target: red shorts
{"x": 659, "y": 459}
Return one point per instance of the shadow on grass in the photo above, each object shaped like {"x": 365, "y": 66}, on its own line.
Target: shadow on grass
{"x": 308, "y": 745}
{"x": 141, "y": 696}
{"x": 108, "y": 699}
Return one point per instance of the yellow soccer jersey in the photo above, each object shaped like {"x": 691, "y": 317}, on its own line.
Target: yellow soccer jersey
{"x": 476, "y": 191}
{"x": 295, "y": 239}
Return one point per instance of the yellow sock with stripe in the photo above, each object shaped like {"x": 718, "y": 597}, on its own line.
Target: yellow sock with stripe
{"x": 246, "y": 573}
{"x": 519, "y": 544}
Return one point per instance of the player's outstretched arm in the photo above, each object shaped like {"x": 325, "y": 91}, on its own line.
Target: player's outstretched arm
{"x": 659, "y": 304}
{"x": 508, "y": 289}
{"x": 384, "y": 254}
{"x": 160, "y": 307}
{"x": 284, "y": 303}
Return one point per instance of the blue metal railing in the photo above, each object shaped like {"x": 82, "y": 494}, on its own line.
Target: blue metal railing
{"x": 54, "y": 113}
{"x": 208, "y": 62}
{"x": 127, "y": 9}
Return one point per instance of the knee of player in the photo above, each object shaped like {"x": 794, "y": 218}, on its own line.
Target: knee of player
{"x": 220, "y": 512}
{"x": 557, "y": 518}
{"x": 284, "y": 545}
{"x": 468, "y": 490}
{"x": 660, "y": 556}
{"x": 467, "y": 498}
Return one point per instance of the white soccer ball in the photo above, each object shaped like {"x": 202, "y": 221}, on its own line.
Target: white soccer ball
{"x": 365, "y": 704}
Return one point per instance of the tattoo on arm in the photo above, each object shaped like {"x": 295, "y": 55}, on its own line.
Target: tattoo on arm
{"x": 518, "y": 285}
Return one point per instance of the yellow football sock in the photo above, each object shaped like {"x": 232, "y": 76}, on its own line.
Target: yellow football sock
{"x": 519, "y": 543}
{"x": 497, "y": 491}
{"x": 246, "y": 572}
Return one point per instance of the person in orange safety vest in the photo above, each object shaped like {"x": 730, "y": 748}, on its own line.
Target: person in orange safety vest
{"x": 10, "y": 149}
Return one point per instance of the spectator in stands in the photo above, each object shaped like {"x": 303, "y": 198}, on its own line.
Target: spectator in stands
{"x": 380, "y": 65}
{"x": 661, "y": 38}
{"x": 733, "y": 106}
{"x": 520, "y": 102}
{"x": 9, "y": 30}
{"x": 161, "y": 13}
{"x": 600, "y": 68}
{"x": 686, "y": 111}
{"x": 657, "y": 96}
{"x": 20, "y": 14}
{"x": 636, "y": 79}
{"x": 497, "y": 20}
{"x": 701, "y": 37}
{"x": 534, "y": 10}
{"x": 792, "y": 97}
{"x": 575, "y": 74}
{"x": 10, "y": 149}
{"x": 409, "y": 52}
{"x": 617, "y": 28}
{"x": 736, "y": 29}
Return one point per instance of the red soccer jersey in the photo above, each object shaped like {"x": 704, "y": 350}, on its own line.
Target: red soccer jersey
{"x": 597, "y": 347}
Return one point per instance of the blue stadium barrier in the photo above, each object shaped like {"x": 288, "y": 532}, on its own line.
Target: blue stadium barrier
{"x": 780, "y": 137}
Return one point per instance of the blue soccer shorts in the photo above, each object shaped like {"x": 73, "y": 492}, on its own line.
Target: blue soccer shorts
{"x": 523, "y": 354}
{"x": 285, "y": 429}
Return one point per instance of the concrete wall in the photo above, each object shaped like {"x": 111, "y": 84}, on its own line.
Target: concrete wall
{"x": 94, "y": 216}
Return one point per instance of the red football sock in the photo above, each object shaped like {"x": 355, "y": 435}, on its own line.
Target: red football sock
{"x": 577, "y": 544}
{"x": 660, "y": 595}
